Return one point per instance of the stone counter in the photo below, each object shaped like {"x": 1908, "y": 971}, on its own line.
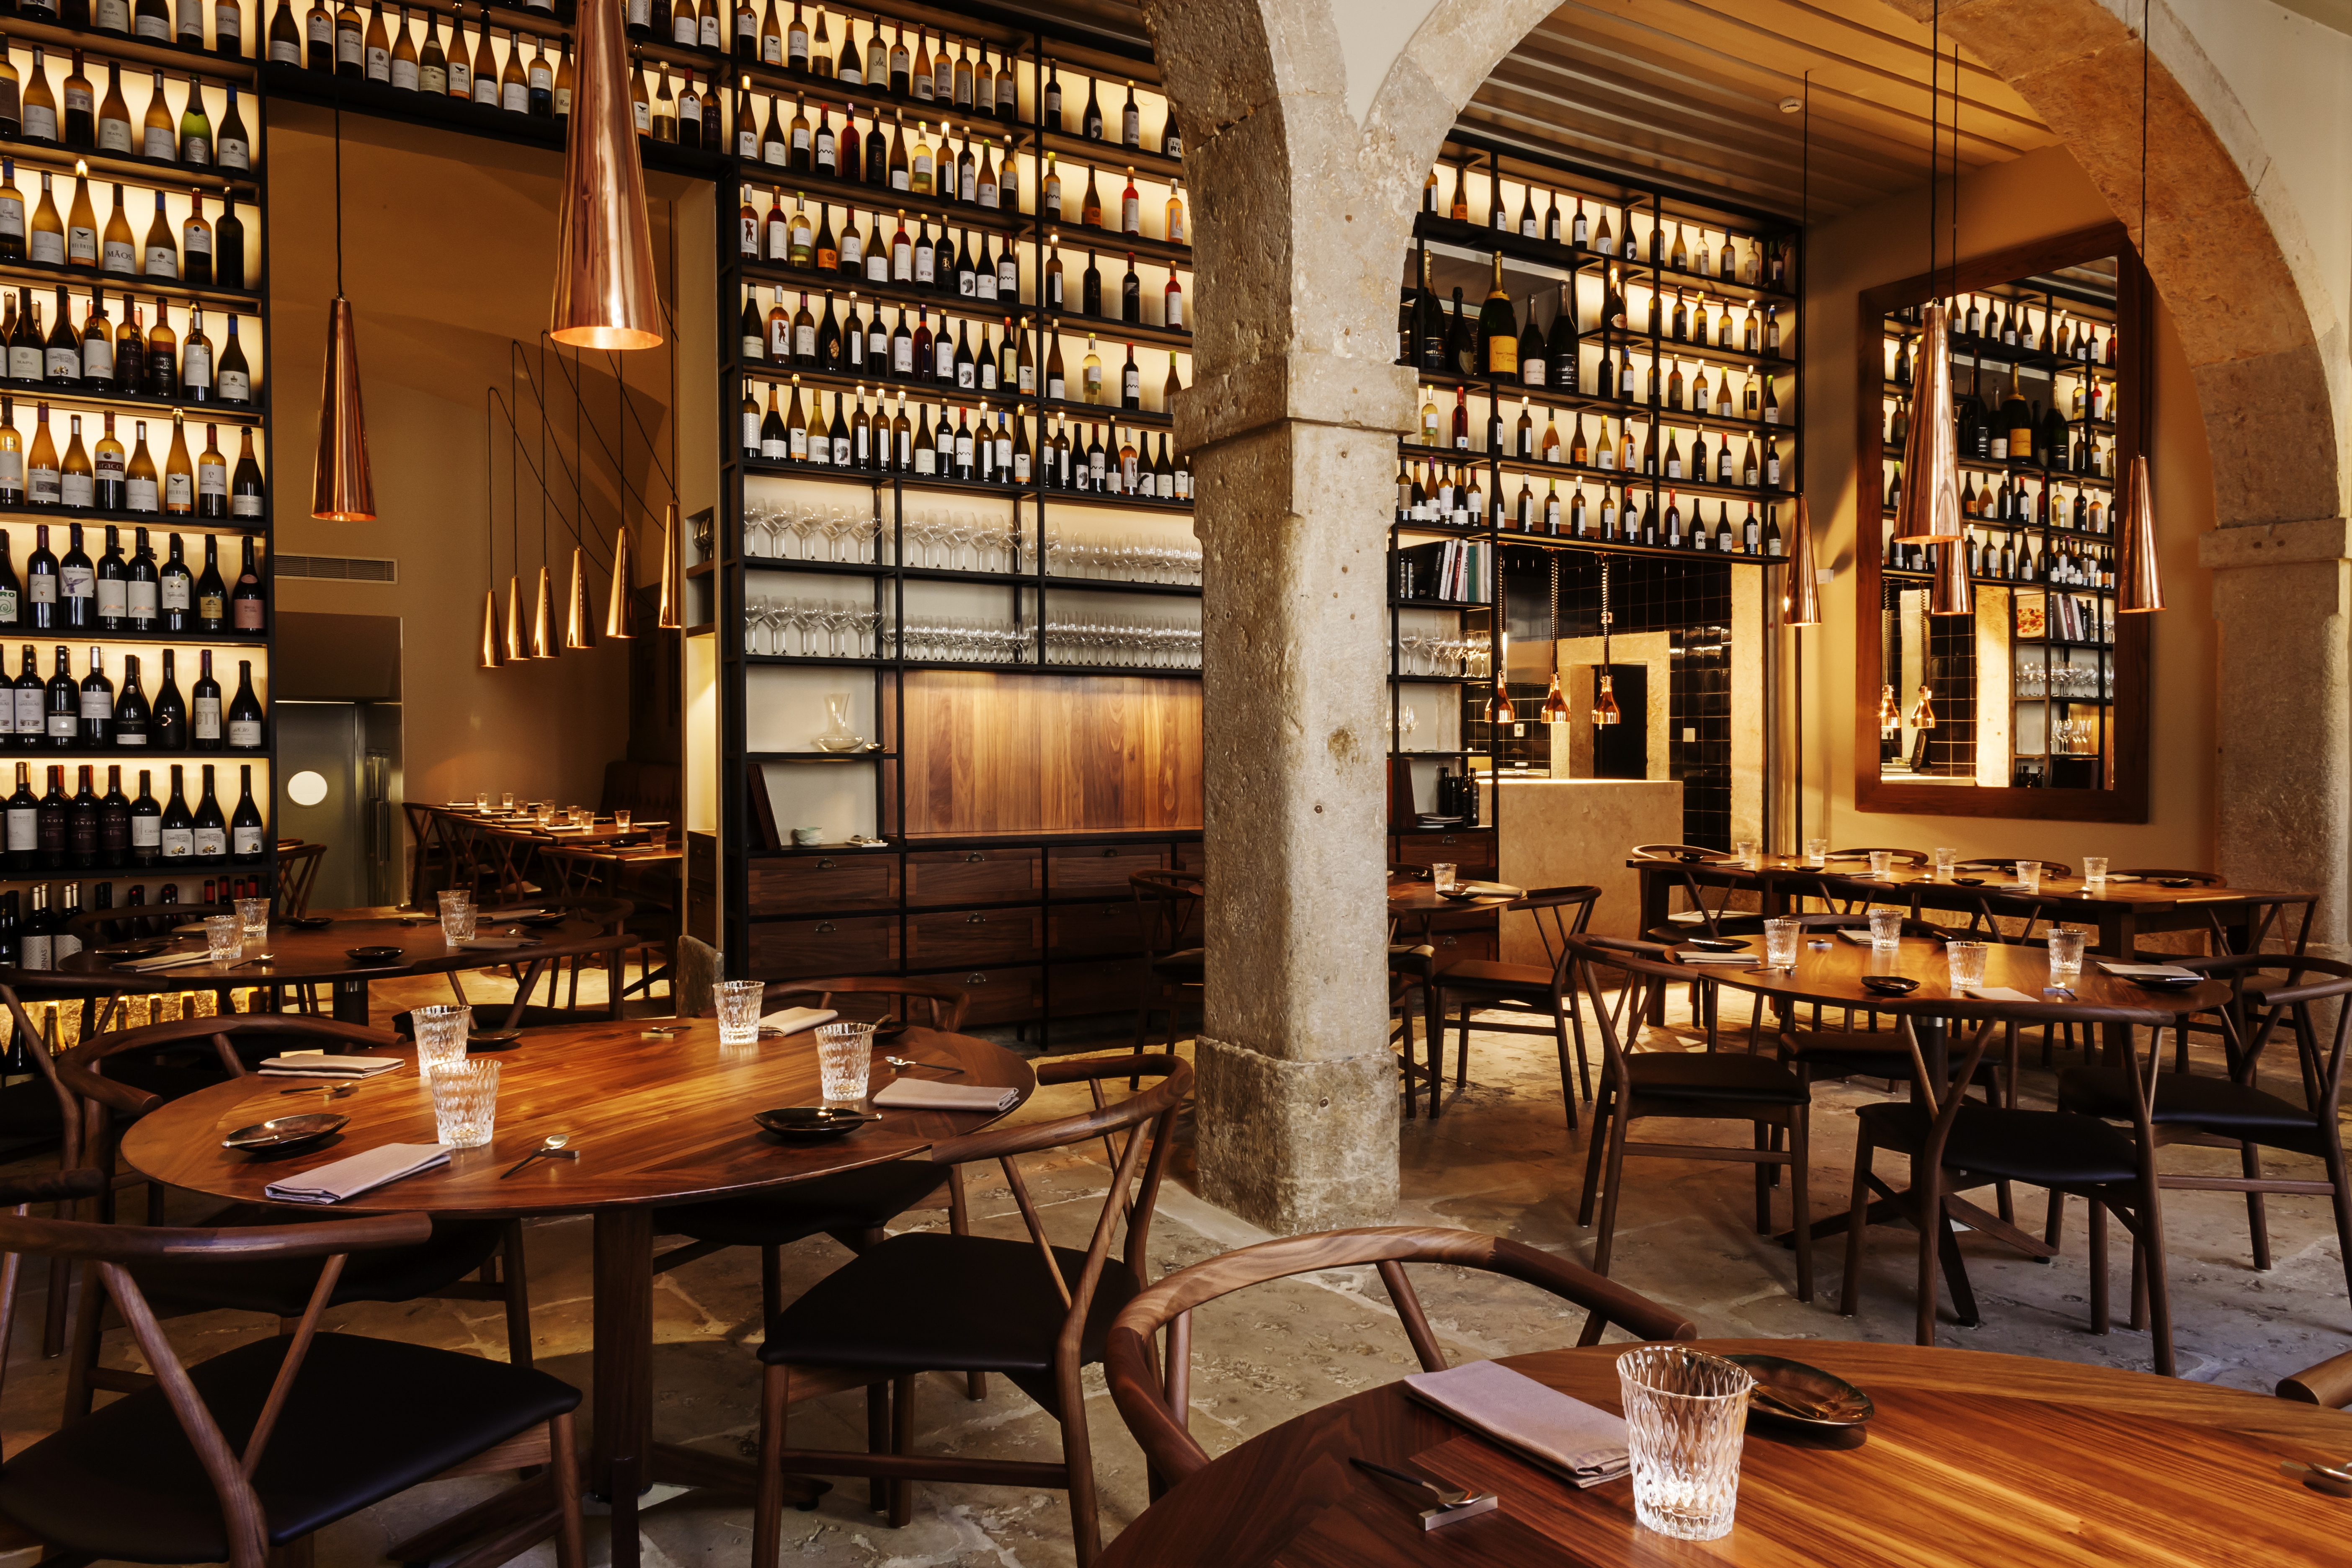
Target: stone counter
{"x": 1553, "y": 833}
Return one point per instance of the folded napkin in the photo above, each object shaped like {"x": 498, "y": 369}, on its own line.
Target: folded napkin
{"x": 164, "y": 961}
{"x": 348, "y": 1178}
{"x": 495, "y": 943}
{"x": 1687, "y": 956}
{"x": 2123, "y": 877}
{"x": 1584, "y": 1444}
{"x": 793, "y": 1020}
{"x": 1861, "y": 937}
{"x": 2145, "y": 971}
{"x": 921, "y": 1094}
{"x": 318, "y": 1064}
{"x": 1995, "y": 993}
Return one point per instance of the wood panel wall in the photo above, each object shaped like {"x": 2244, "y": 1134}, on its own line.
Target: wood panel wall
{"x": 1032, "y": 754}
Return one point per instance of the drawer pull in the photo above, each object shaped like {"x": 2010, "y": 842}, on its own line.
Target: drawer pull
{"x": 1447, "y": 941}
{"x": 1447, "y": 839}
{"x": 973, "y": 859}
{"x": 975, "y": 920}
{"x": 823, "y": 927}
{"x": 1110, "y": 853}
{"x": 827, "y": 865}
{"x": 976, "y": 979}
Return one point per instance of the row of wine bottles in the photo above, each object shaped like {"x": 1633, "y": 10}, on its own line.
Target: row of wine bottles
{"x": 89, "y": 831}
{"x": 133, "y": 596}
{"x": 1457, "y": 497}
{"x": 75, "y": 116}
{"x": 65, "y": 715}
{"x": 196, "y": 251}
{"x": 125, "y": 357}
{"x": 152, "y": 21}
{"x": 338, "y": 41}
{"x": 1708, "y": 465}
{"x": 2013, "y": 505}
{"x": 107, "y": 477}
{"x": 1763, "y": 264}
{"x": 2012, "y": 429}
{"x": 2009, "y": 322}
{"x": 999, "y": 454}
{"x": 43, "y": 937}
{"x": 2018, "y": 558}
{"x": 1004, "y": 361}
{"x": 882, "y": 156}
{"x": 1444, "y": 337}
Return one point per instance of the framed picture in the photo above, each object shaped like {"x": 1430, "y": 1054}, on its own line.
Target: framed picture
{"x": 2032, "y": 615}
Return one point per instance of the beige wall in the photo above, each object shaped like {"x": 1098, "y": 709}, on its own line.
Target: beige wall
{"x": 449, "y": 242}
{"x": 2037, "y": 195}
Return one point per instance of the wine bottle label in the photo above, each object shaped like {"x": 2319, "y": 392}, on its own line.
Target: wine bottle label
{"x": 433, "y": 79}
{"x": 196, "y": 367}
{"x": 114, "y": 136}
{"x": 486, "y": 90}
{"x": 97, "y": 706}
{"x": 47, "y": 246}
{"x": 163, "y": 260}
{"x": 82, "y": 248}
{"x": 514, "y": 97}
{"x": 78, "y": 581}
{"x": 1130, "y": 215}
{"x": 461, "y": 82}
{"x": 62, "y": 363}
{"x": 179, "y": 492}
{"x": 28, "y": 707}
{"x": 804, "y": 340}
{"x": 160, "y": 143}
{"x": 146, "y": 831}
{"x": 75, "y": 489}
{"x": 38, "y": 952}
{"x": 211, "y": 607}
{"x": 175, "y": 843}
{"x": 927, "y": 459}
{"x": 156, "y": 27}
{"x": 121, "y": 255}
{"x": 286, "y": 51}
{"x": 196, "y": 149}
{"x": 42, "y": 489}
{"x": 820, "y": 450}
{"x": 208, "y": 843}
{"x": 113, "y": 15}
{"x": 797, "y": 440}
{"x": 64, "y": 726}
{"x": 235, "y": 386}
{"x": 141, "y": 495}
{"x": 403, "y": 76}
{"x": 244, "y": 734}
{"x": 212, "y": 479}
{"x": 780, "y": 449}
{"x": 840, "y": 456}
{"x": 24, "y": 830}
{"x": 207, "y": 719}
{"x": 40, "y": 122}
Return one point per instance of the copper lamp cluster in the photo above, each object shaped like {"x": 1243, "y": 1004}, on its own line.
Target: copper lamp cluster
{"x": 508, "y": 644}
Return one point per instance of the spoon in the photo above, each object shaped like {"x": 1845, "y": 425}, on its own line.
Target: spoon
{"x": 901, "y": 1063}
{"x": 1789, "y": 1403}
{"x": 2327, "y": 1477}
{"x": 549, "y": 1145}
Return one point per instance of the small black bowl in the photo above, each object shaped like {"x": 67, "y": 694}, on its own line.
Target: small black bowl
{"x": 310, "y": 922}
{"x": 494, "y": 1040}
{"x": 371, "y": 954}
{"x": 2166, "y": 982}
{"x": 1968, "y": 881}
{"x": 1693, "y": 858}
{"x": 1716, "y": 943}
{"x": 1890, "y": 984}
{"x": 2175, "y": 881}
{"x": 810, "y": 1123}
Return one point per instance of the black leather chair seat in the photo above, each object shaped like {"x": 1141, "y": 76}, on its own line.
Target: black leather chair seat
{"x": 934, "y": 1302}
{"x": 1860, "y": 1053}
{"x": 2213, "y": 1104}
{"x": 850, "y": 1200}
{"x": 1184, "y": 965}
{"x": 1714, "y": 1076}
{"x": 365, "y": 1418}
{"x": 1530, "y": 980}
{"x": 2047, "y": 1148}
{"x": 283, "y": 1285}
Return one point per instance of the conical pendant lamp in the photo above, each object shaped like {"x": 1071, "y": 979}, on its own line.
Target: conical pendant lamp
{"x": 2140, "y": 586}
{"x": 605, "y": 292}
{"x": 1555, "y": 706}
{"x": 341, "y": 488}
{"x": 1604, "y": 696}
{"x": 1801, "y": 604}
{"x": 543, "y": 619}
{"x": 666, "y": 612}
{"x": 491, "y": 655}
{"x": 1928, "y": 511}
{"x": 516, "y": 653}
{"x": 1951, "y": 593}
{"x": 577, "y": 614}
{"x": 621, "y": 610}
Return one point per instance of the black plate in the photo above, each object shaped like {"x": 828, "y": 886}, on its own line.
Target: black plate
{"x": 809, "y": 1123}
{"x": 890, "y": 1029}
{"x": 2164, "y": 982}
{"x": 371, "y": 954}
{"x": 494, "y": 1040}
{"x": 543, "y": 918}
{"x": 1968, "y": 881}
{"x": 1890, "y": 984}
{"x": 1716, "y": 943}
{"x": 310, "y": 922}
{"x": 2175, "y": 881}
{"x": 283, "y": 1133}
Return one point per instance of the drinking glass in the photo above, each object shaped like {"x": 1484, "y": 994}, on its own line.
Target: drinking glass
{"x": 1881, "y": 861}
{"x": 845, "y": 1055}
{"x": 481, "y": 800}
{"x": 1780, "y": 940}
{"x": 506, "y": 801}
{"x": 1440, "y": 876}
{"x": 1885, "y": 930}
{"x": 2065, "y": 954}
{"x": 620, "y": 819}
{"x": 2094, "y": 874}
{"x": 457, "y": 916}
{"x": 1686, "y": 1414}
{"x": 1817, "y": 851}
{"x": 224, "y": 938}
{"x": 253, "y": 918}
{"x": 1967, "y": 961}
{"x": 465, "y": 1102}
{"x": 2029, "y": 876}
{"x": 1945, "y": 860}
{"x": 440, "y": 1031}
{"x": 1745, "y": 849}
{"x": 739, "y": 1010}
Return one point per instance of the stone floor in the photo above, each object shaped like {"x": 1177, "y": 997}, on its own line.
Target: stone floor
{"x": 1498, "y": 1160}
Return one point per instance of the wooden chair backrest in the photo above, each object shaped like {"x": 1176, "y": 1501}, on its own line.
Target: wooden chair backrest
{"x": 1155, "y": 1404}
{"x": 298, "y": 873}
{"x": 1902, "y": 856}
{"x": 1168, "y": 908}
{"x": 945, "y": 1004}
{"x": 2328, "y": 1384}
{"x": 1559, "y": 914}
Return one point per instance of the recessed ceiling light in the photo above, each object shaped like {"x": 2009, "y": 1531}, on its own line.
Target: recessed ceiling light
{"x": 1790, "y": 105}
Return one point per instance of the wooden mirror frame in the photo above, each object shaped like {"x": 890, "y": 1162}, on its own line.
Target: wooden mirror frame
{"x": 2127, "y": 798}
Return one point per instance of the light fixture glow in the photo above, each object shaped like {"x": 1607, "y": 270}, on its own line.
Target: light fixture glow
{"x": 606, "y": 294}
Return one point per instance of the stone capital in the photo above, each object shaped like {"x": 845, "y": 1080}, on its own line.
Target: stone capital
{"x": 1274, "y": 390}
{"x": 2275, "y": 544}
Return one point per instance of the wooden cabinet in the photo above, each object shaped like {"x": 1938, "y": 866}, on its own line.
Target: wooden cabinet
{"x": 798, "y": 949}
{"x": 973, "y": 875}
{"x": 1092, "y": 930}
{"x": 972, "y": 938}
{"x": 1100, "y": 985}
{"x": 794, "y": 883}
{"x": 1013, "y": 995}
{"x": 1472, "y": 850}
{"x": 1092, "y": 870}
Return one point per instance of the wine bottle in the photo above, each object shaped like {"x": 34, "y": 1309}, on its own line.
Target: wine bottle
{"x": 81, "y": 839}
{"x": 247, "y": 837}
{"x": 12, "y": 200}
{"x": 97, "y": 702}
{"x": 175, "y": 833}
{"x": 168, "y": 722}
{"x": 208, "y": 829}
{"x": 76, "y": 476}
{"x": 77, "y": 583}
{"x": 146, "y": 827}
{"x": 113, "y": 829}
{"x": 112, "y": 583}
{"x": 31, "y": 705}
{"x": 22, "y": 812}
{"x": 211, "y": 477}
{"x": 204, "y": 731}
{"x": 211, "y": 592}
{"x": 61, "y": 707}
{"x": 132, "y": 714}
{"x": 246, "y": 498}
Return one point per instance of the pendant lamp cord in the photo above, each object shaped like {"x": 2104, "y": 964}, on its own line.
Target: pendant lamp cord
{"x": 338, "y": 188}
{"x": 2147, "y": 399}
{"x": 1934, "y": 86}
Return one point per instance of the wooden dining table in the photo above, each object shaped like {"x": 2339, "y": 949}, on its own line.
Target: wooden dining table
{"x": 1970, "y": 1460}
{"x": 657, "y": 1114}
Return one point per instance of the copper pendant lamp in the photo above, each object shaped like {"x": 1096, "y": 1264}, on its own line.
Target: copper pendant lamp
{"x": 1555, "y": 706}
{"x": 341, "y": 490}
{"x": 543, "y": 619}
{"x": 1951, "y": 593}
{"x": 576, "y": 612}
{"x": 666, "y": 611}
{"x": 491, "y": 655}
{"x": 621, "y": 610}
{"x": 1604, "y": 697}
{"x": 1801, "y": 604}
{"x": 2139, "y": 585}
{"x": 1928, "y": 509}
{"x": 515, "y": 650}
{"x": 606, "y": 296}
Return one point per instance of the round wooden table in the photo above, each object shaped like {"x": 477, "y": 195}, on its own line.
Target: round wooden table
{"x": 299, "y": 956}
{"x": 1971, "y": 1460}
{"x": 657, "y": 1119}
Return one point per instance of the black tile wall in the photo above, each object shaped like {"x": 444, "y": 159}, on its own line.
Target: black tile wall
{"x": 1952, "y": 682}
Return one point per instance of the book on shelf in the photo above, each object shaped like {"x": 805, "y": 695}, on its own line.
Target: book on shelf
{"x": 1447, "y": 571}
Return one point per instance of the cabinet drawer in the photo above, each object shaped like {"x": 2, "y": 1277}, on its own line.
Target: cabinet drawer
{"x": 1456, "y": 946}
{"x": 999, "y": 995}
{"x": 1092, "y": 870}
{"x": 853, "y": 944}
{"x": 937, "y": 938}
{"x": 1104, "y": 985}
{"x": 972, "y": 876}
{"x": 1473, "y": 851}
{"x": 1192, "y": 856}
{"x": 1087, "y": 931}
{"x": 824, "y": 882}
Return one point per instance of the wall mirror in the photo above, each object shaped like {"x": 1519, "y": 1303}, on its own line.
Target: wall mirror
{"x": 2033, "y": 702}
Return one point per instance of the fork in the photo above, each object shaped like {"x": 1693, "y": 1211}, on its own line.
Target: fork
{"x": 903, "y": 1063}
{"x": 1447, "y": 1497}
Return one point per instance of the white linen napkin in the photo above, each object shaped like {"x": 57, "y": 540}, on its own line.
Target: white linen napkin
{"x": 1582, "y": 1443}
{"x": 348, "y": 1178}
{"x": 921, "y": 1094}
{"x": 318, "y": 1064}
{"x": 164, "y": 961}
{"x": 2144, "y": 971}
{"x": 1995, "y": 993}
{"x": 1701, "y": 956}
{"x": 793, "y": 1020}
